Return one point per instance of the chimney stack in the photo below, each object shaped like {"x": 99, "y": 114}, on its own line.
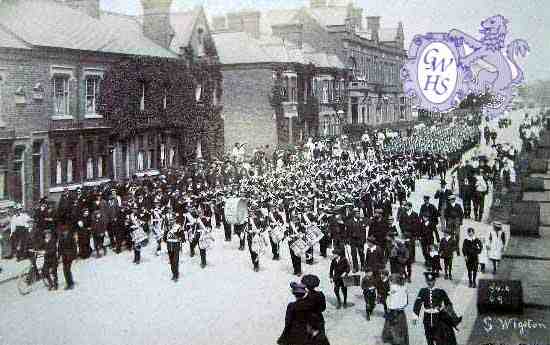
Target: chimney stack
{"x": 251, "y": 23}
{"x": 373, "y": 25}
{"x": 90, "y": 7}
{"x": 292, "y": 34}
{"x": 219, "y": 23}
{"x": 156, "y": 21}
{"x": 244, "y": 21}
{"x": 317, "y": 3}
{"x": 400, "y": 35}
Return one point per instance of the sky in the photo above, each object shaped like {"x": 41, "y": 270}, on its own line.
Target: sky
{"x": 528, "y": 19}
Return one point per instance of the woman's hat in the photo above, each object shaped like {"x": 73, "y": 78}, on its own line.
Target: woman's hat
{"x": 298, "y": 289}
{"x": 310, "y": 281}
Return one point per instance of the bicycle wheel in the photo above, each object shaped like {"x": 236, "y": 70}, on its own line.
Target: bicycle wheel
{"x": 25, "y": 282}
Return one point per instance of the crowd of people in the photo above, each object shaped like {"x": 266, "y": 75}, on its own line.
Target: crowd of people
{"x": 338, "y": 194}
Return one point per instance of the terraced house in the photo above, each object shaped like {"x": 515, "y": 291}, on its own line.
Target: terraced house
{"x": 86, "y": 95}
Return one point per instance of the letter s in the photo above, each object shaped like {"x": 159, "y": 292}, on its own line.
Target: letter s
{"x": 444, "y": 86}
{"x": 488, "y": 326}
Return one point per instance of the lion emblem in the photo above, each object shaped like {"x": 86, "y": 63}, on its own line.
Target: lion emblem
{"x": 497, "y": 79}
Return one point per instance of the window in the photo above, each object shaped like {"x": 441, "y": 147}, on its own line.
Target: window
{"x": 90, "y": 168}
{"x": 172, "y": 156}
{"x": 140, "y": 161}
{"x": 163, "y": 155}
{"x": 58, "y": 172}
{"x": 142, "y": 98}
{"x": 69, "y": 170}
{"x": 284, "y": 89}
{"x": 149, "y": 159}
{"x": 293, "y": 90}
{"x": 100, "y": 166}
{"x": 92, "y": 93}
{"x": 198, "y": 93}
{"x": 61, "y": 95}
{"x": 324, "y": 94}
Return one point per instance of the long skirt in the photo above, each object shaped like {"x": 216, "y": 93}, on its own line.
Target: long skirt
{"x": 396, "y": 331}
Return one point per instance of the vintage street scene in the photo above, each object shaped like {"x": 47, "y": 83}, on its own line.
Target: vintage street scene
{"x": 300, "y": 172}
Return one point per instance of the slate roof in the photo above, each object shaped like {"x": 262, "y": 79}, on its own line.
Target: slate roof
{"x": 241, "y": 48}
{"x": 10, "y": 41}
{"x": 50, "y": 24}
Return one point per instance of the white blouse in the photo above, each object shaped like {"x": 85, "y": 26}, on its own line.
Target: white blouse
{"x": 398, "y": 297}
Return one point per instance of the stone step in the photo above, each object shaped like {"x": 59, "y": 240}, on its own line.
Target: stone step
{"x": 533, "y": 272}
{"x": 544, "y": 176}
{"x": 545, "y": 213}
{"x": 537, "y": 196}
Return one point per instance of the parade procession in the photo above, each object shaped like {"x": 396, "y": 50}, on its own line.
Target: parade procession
{"x": 183, "y": 173}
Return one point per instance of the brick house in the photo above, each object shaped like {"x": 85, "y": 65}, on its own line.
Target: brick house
{"x": 54, "y": 56}
{"x": 356, "y": 80}
{"x": 255, "y": 63}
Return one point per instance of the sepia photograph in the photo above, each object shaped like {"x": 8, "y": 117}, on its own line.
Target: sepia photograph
{"x": 274, "y": 172}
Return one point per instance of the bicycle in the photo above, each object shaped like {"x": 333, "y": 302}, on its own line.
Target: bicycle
{"x": 32, "y": 273}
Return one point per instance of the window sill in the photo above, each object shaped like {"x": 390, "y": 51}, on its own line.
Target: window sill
{"x": 62, "y": 117}
{"x": 93, "y": 116}
{"x": 61, "y": 188}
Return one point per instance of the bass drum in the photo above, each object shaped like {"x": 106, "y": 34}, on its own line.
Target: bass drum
{"x": 236, "y": 210}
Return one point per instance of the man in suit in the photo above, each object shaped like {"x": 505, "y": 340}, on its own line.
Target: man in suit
{"x": 428, "y": 210}
{"x": 374, "y": 257}
{"x": 356, "y": 230}
{"x": 454, "y": 218}
{"x": 67, "y": 252}
{"x": 443, "y": 195}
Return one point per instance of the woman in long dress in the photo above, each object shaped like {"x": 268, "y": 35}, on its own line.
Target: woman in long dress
{"x": 396, "y": 331}
{"x": 497, "y": 241}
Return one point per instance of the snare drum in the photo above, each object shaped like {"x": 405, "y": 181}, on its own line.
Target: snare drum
{"x": 277, "y": 234}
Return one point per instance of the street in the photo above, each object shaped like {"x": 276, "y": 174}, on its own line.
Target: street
{"x": 117, "y": 302}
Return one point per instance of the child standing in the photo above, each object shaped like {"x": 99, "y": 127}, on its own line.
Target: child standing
{"x": 435, "y": 259}
{"x": 383, "y": 289}
{"x": 368, "y": 284}
{"x": 447, "y": 247}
